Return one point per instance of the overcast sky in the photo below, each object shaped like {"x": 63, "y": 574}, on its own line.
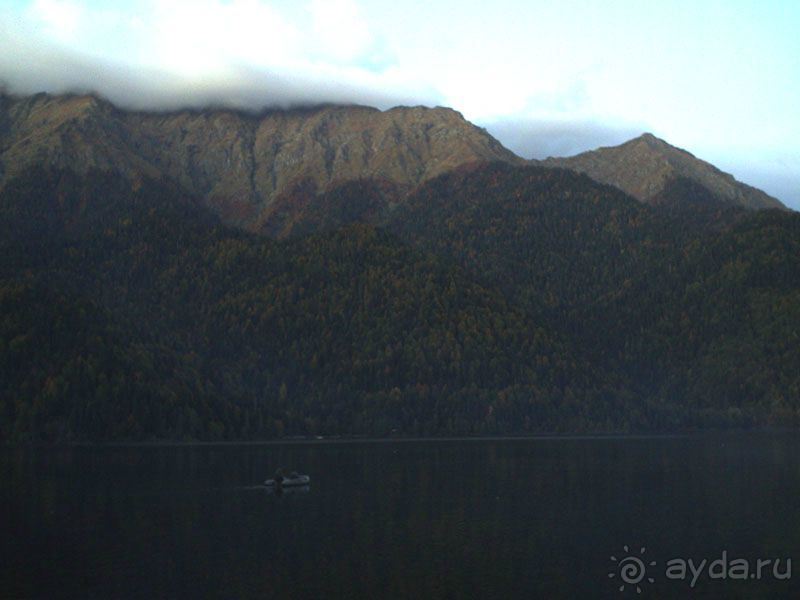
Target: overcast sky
{"x": 718, "y": 78}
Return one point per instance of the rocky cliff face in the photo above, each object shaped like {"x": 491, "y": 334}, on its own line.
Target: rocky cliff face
{"x": 262, "y": 171}
{"x": 242, "y": 164}
{"x": 645, "y": 166}
{"x": 77, "y": 133}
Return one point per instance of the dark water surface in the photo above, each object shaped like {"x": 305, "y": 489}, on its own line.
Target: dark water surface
{"x": 423, "y": 519}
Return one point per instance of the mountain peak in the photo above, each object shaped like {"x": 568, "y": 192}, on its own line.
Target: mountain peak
{"x": 419, "y": 109}
{"x": 657, "y": 144}
{"x": 646, "y": 166}
{"x": 649, "y": 138}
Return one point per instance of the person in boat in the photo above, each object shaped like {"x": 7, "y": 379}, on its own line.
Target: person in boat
{"x": 279, "y": 477}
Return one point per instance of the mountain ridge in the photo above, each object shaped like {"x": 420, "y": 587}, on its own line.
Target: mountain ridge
{"x": 256, "y": 170}
{"x": 241, "y": 163}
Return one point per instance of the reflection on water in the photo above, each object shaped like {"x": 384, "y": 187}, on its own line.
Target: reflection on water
{"x": 483, "y": 519}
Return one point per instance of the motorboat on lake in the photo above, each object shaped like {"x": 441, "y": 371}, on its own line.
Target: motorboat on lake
{"x": 294, "y": 479}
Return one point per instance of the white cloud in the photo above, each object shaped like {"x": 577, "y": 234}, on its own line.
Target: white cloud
{"x": 341, "y": 32}
{"x": 60, "y": 19}
{"x": 169, "y": 53}
{"x": 198, "y": 37}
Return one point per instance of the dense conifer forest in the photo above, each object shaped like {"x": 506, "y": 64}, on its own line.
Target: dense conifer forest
{"x": 495, "y": 300}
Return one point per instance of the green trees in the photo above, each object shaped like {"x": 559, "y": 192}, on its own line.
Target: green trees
{"x": 499, "y": 300}
{"x": 691, "y": 303}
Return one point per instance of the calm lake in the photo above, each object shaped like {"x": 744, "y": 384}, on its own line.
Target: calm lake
{"x": 535, "y": 518}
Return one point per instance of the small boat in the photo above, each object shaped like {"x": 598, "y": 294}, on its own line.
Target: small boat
{"x": 294, "y": 479}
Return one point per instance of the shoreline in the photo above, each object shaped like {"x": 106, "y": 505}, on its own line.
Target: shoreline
{"x": 333, "y": 440}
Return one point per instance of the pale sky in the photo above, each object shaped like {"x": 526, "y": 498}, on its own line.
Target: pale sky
{"x": 718, "y": 78}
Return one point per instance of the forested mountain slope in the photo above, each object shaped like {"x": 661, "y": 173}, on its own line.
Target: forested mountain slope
{"x": 496, "y": 299}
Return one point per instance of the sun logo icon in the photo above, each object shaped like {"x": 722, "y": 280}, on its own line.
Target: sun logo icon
{"x": 631, "y": 570}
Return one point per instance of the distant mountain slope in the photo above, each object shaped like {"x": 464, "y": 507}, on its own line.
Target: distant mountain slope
{"x": 647, "y": 166}
{"x": 239, "y": 163}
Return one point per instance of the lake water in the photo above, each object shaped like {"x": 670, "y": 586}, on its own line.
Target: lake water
{"x": 534, "y": 518}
